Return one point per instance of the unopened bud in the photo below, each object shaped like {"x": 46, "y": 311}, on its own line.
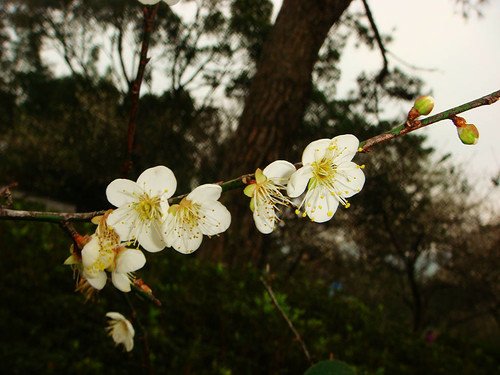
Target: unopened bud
{"x": 424, "y": 105}
{"x": 468, "y": 134}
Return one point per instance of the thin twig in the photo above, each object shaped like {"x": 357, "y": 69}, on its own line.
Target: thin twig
{"x": 135, "y": 90}
{"x": 242, "y": 181}
{"x": 146, "y": 356}
{"x": 404, "y": 129}
{"x": 49, "y": 217}
{"x": 287, "y": 319}
{"x": 378, "y": 39}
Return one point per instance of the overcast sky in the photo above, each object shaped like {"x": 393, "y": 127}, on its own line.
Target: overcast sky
{"x": 466, "y": 54}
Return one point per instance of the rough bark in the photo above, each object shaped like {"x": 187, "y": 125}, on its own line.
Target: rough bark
{"x": 274, "y": 109}
{"x": 281, "y": 87}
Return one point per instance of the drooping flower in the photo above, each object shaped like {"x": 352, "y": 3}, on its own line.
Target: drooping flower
{"x": 121, "y": 330}
{"x": 151, "y": 2}
{"x": 199, "y": 213}
{"x": 142, "y": 206}
{"x": 104, "y": 252}
{"x": 329, "y": 176}
{"x": 266, "y": 195}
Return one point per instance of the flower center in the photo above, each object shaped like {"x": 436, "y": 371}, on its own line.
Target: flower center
{"x": 148, "y": 207}
{"x": 323, "y": 171}
{"x": 186, "y": 212}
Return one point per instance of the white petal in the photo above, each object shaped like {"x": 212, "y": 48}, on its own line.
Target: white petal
{"x": 216, "y": 218}
{"x": 158, "y": 181}
{"x": 171, "y": 2}
{"x": 347, "y": 146}
{"x": 90, "y": 251}
{"x": 298, "y": 181}
{"x": 185, "y": 241}
{"x": 263, "y": 217}
{"x": 96, "y": 280}
{"x": 349, "y": 179}
{"x": 121, "y": 191}
{"x": 121, "y": 281}
{"x": 205, "y": 193}
{"x": 149, "y": 2}
{"x": 124, "y": 221}
{"x": 129, "y": 260}
{"x": 321, "y": 205}
{"x": 115, "y": 315}
{"x": 315, "y": 150}
{"x": 129, "y": 344}
{"x": 150, "y": 237}
{"x": 279, "y": 171}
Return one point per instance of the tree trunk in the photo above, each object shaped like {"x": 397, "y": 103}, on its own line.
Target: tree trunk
{"x": 281, "y": 87}
{"x": 275, "y": 106}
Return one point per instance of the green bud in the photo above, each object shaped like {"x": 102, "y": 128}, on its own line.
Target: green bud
{"x": 468, "y": 134}
{"x": 424, "y": 105}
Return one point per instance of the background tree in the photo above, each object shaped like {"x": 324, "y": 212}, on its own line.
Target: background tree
{"x": 359, "y": 288}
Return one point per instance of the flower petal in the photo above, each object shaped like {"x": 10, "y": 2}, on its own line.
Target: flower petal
{"x": 346, "y": 147}
{"x": 298, "y": 181}
{"x": 129, "y": 344}
{"x": 129, "y": 260}
{"x": 150, "y": 237}
{"x": 183, "y": 240}
{"x": 121, "y": 281}
{"x": 124, "y": 221}
{"x": 90, "y": 251}
{"x": 96, "y": 280}
{"x": 171, "y": 2}
{"x": 279, "y": 171}
{"x": 321, "y": 205}
{"x": 315, "y": 150}
{"x": 150, "y": 2}
{"x": 205, "y": 193}
{"x": 158, "y": 181}
{"x": 215, "y": 218}
{"x": 122, "y": 191}
{"x": 263, "y": 217}
{"x": 349, "y": 179}
{"x": 115, "y": 315}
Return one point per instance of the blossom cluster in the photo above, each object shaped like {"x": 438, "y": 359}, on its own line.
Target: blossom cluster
{"x": 144, "y": 218}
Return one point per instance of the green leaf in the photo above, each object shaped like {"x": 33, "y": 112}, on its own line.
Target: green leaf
{"x": 330, "y": 368}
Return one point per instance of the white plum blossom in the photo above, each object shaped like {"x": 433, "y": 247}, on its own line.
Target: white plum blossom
{"x": 199, "y": 213}
{"x": 121, "y": 330}
{"x": 329, "y": 176}
{"x": 142, "y": 206}
{"x": 151, "y": 2}
{"x": 266, "y": 195}
{"x": 104, "y": 252}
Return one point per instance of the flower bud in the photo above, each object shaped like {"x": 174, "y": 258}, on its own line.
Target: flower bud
{"x": 424, "y": 105}
{"x": 468, "y": 134}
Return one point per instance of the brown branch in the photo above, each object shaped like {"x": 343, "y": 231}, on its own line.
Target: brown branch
{"x": 51, "y": 217}
{"x": 120, "y": 53}
{"x": 135, "y": 90}
{"x": 378, "y": 39}
{"x": 287, "y": 319}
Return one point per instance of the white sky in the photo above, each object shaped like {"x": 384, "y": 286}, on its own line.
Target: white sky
{"x": 466, "y": 54}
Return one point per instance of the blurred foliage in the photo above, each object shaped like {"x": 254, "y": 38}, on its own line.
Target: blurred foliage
{"x": 412, "y": 244}
{"x": 214, "y": 320}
